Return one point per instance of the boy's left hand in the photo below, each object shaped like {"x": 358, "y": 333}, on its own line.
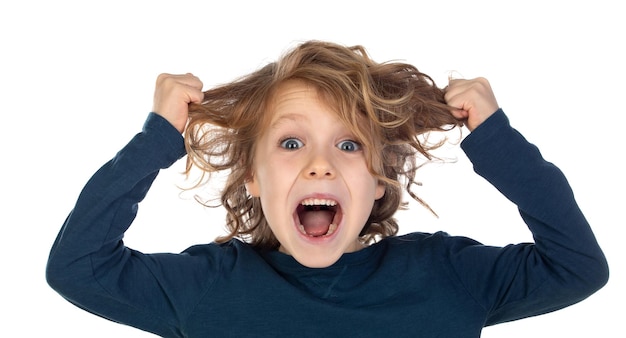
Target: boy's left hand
{"x": 471, "y": 101}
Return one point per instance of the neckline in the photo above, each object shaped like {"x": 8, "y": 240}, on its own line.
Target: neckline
{"x": 285, "y": 262}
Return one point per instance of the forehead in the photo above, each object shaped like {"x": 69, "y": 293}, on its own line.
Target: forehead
{"x": 295, "y": 101}
{"x": 301, "y": 101}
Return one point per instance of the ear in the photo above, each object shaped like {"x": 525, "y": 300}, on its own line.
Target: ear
{"x": 380, "y": 191}
{"x": 252, "y": 186}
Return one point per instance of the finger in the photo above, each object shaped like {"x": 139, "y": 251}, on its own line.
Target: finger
{"x": 187, "y": 85}
{"x": 195, "y": 95}
{"x": 454, "y": 89}
{"x": 454, "y": 96}
{"x": 190, "y": 80}
{"x": 192, "y": 86}
{"x": 184, "y": 79}
{"x": 459, "y": 114}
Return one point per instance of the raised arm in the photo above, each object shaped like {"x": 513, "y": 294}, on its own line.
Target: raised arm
{"x": 89, "y": 264}
{"x": 565, "y": 263}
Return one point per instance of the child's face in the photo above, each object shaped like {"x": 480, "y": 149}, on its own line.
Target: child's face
{"x": 312, "y": 178}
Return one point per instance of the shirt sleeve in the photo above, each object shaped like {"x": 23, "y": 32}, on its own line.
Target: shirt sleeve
{"x": 564, "y": 264}
{"x": 89, "y": 264}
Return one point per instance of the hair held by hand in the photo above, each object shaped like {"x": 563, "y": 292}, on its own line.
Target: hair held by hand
{"x": 389, "y": 107}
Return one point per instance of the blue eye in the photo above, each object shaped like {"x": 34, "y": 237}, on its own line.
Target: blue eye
{"x": 291, "y": 143}
{"x": 349, "y": 146}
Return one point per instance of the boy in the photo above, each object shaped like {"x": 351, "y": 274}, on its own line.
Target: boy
{"x": 319, "y": 146}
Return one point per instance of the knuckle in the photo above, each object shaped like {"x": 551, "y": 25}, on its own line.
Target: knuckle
{"x": 483, "y": 82}
{"x": 162, "y": 77}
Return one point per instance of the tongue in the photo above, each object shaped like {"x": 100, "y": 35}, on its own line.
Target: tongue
{"x": 316, "y": 223}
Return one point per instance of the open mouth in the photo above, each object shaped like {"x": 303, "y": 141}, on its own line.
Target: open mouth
{"x": 318, "y": 217}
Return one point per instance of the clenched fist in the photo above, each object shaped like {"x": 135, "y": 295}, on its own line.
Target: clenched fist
{"x": 472, "y": 101}
{"x": 172, "y": 96}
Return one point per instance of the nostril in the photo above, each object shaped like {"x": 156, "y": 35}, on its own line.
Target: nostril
{"x": 325, "y": 174}
{"x": 320, "y": 172}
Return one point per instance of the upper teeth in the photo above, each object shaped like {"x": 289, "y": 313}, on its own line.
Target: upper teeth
{"x": 317, "y": 201}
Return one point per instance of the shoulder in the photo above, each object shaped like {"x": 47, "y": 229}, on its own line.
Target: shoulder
{"x": 425, "y": 238}
{"x": 430, "y": 244}
{"x": 228, "y": 256}
{"x": 232, "y": 247}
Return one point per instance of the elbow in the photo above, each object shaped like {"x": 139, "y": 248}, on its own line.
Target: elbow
{"x": 57, "y": 276}
{"x": 593, "y": 277}
{"x": 599, "y": 275}
{"x": 580, "y": 276}
{"x": 65, "y": 277}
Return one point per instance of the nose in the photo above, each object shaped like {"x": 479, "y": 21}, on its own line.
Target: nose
{"x": 320, "y": 166}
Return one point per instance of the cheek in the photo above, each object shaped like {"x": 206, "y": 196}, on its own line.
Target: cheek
{"x": 273, "y": 180}
{"x": 364, "y": 183}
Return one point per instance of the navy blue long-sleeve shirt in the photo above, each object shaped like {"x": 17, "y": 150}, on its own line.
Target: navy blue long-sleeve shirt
{"x": 416, "y": 285}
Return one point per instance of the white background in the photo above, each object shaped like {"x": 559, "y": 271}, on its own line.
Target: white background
{"x": 76, "y": 83}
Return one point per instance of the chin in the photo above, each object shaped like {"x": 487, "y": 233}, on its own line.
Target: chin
{"x": 316, "y": 261}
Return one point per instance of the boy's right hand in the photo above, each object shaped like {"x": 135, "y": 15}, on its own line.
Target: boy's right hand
{"x": 172, "y": 96}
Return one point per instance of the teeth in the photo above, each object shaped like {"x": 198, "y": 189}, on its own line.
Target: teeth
{"x": 317, "y": 201}
{"x": 331, "y": 230}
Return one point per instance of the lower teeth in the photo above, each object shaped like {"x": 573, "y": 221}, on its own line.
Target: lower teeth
{"x": 331, "y": 229}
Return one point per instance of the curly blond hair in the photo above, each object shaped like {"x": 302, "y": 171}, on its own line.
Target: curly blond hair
{"x": 388, "y": 106}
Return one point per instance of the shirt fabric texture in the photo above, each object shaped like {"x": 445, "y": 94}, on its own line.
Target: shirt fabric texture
{"x": 415, "y": 285}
